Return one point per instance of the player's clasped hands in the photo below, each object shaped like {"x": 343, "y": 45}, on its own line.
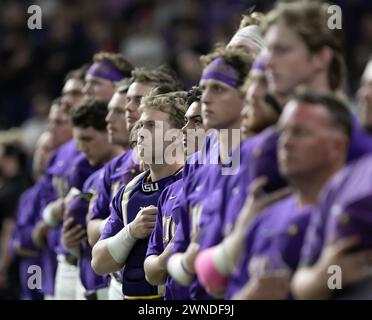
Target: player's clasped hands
{"x": 142, "y": 226}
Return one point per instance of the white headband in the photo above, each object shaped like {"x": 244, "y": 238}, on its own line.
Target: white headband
{"x": 367, "y": 74}
{"x": 250, "y": 35}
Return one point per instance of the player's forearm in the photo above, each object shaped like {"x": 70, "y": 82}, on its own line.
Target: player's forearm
{"x": 102, "y": 261}
{"x": 94, "y": 230}
{"x": 177, "y": 269}
{"x": 155, "y": 270}
{"x": 111, "y": 253}
{"x": 310, "y": 283}
{"x": 233, "y": 247}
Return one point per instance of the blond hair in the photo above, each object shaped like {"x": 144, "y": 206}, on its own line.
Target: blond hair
{"x": 174, "y": 104}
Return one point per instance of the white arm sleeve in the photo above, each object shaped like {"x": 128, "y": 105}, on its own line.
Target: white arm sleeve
{"x": 120, "y": 245}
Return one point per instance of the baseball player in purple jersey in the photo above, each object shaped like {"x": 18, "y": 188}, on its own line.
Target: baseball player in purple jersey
{"x": 160, "y": 244}
{"x": 220, "y": 84}
{"x": 339, "y": 234}
{"x": 28, "y": 215}
{"x": 125, "y": 237}
{"x": 273, "y": 240}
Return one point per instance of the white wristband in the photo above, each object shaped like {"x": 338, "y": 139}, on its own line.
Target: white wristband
{"x": 120, "y": 245}
{"x": 48, "y": 216}
{"x": 177, "y": 270}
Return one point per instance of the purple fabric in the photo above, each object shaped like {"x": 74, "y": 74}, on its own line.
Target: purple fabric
{"x": 347, "y": 193}
{"x": 219, "y": 70}
{"x": 143, "y": 194}
{"x": 79, "y": 172}
{"x": 89, "y": 279}
{"x": 164, "y": 231}
{"x": 276, "y": 235}
{"x": 117, "y": 173}
{"x": 106, "y": 70}
{"x": 234, "y": 190}
{"x": 197, "y": 206}
{"x": 263, "y": 160}
{"x": 26, "y": 292}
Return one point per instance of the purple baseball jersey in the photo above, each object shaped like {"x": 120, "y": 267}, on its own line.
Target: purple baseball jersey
{"x": 78, "y": 210}
{"x": 344, "y": 210}
{"x": 117, "y": 173}
{"x": 80, "y": 171}
{"x": 140, "y": 192}
{"x": 76, "y": 175}
{"x": 164, "y": 231}
{"x": 274, "y": 241}
{"x": 349, "y": 188}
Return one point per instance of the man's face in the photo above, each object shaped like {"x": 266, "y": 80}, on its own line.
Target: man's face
{"x": 289, "y": 61}
{"x": 151, "y": 144}
{"x": 98, "y": 88}
{"x": 134, "y": 95}
{"x": 221, "y": 105}
{"x": 59, "y": 125}
{"x": 194, "y": 122}
{"x": 365, "y": 98}
{"x": 72, "y": 92}
{"x": 116, "y": 124}
{"x": 308, "y": 142}
{"x": 257, "y": 113}
{"x": 94, "y": 144}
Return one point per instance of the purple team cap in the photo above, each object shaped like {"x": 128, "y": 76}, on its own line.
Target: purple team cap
{"x": 263, "y": 161}
{"x": 78, "y": 208}
{"x": 106, "y": 70}
{"x": 219, "y": 70}
{"x": 352, "y": 218}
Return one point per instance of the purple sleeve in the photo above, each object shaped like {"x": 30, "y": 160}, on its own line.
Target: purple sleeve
{"x": 80, "y": 172}
{"x": 155, "y": 246}
{"x": 314, "y": 238}
{"x": 182, "y": 236}
{"x": 115, "y": 222}
{"x": 101, "y": 206}
{"x": 28, "y": 214}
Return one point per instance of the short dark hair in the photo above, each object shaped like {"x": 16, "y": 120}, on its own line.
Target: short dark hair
{"x": 340, "y": 114}
{"x": 193, "y": 95}
{"x": 59, "y": 104}
{"x": 90, "y": 113}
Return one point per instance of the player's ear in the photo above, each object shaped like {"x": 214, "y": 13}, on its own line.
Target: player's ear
{"x": 322, "y": 59}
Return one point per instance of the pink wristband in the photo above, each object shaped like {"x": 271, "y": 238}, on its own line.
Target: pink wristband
{"x": 208, "y": 275}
